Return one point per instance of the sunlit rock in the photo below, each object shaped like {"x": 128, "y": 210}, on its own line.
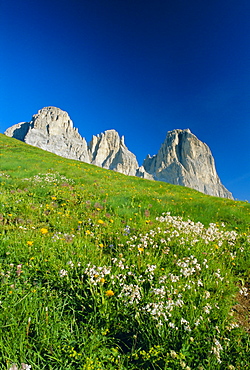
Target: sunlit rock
{"x": 185, "y": 160}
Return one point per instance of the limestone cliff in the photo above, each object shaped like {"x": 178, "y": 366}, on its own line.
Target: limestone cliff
{"x": 181, "y": 160}
{"x": 185, "y": 160}
{"x": 108, "y": 150}
{"x": 51, "y": 129}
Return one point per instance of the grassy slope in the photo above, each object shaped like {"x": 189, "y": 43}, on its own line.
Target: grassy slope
{"x": 88, "y": 217}
{"x": 125, "y": 194}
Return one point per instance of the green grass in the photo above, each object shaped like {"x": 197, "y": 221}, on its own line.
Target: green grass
{"x": 104, "y": 271}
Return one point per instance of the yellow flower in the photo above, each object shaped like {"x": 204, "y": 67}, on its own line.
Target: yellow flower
{"x": 88, "y": 232}
{"x": 101, "y": 245}
{"x": 109, "y": 293}
{"x": 53, "y": 198}
{"x": 29, "y": 243}
{"x": 102, "y": 280}
{"x": 140, "y": 249}
{"x": 111, "y": 221}
{"x": 43, "y": 230}
{"x": 100, "y": 222}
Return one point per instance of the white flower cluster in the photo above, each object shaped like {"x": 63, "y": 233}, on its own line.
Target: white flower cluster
{"x": 96, "y": 273}
{"x": 53, "y": 178}
{"x": 217, "y": 349}
{"x": 2, "y": 174}
{"x": 23, "y": 367}
{"x": 189, "y": 266}
{"x": 196, "y": 230}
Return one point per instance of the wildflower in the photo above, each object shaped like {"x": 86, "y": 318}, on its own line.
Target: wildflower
{"x": 53, "y": 198}
{"x": 109, "y": 293}
{"x": 63, "y": 273}
{"x": 173, "y": 354}
{"x": 100, "y": 222}
{"x": 43, "y": 230}
{"x": 183, "y": 364}
{"x": 127, "y": 230}
{"x": 19, "y": 271}
{"x": 25, "y": 366}
{"x": 101, "y": 245}
{"x": 30, "y": 243}
{"x": 13, "y": 367}
{"x": 244, "y": 291}
{"x": 87, "y": 232}
{"x": 140, "y": 250}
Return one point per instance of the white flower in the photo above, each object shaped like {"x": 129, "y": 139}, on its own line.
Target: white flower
{"x": 63, "y": 273}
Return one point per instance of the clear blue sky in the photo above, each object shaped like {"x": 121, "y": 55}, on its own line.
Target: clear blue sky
{"x": 142, "y": 67}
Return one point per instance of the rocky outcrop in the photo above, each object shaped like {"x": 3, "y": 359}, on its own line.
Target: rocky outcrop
{"x": 108, "y": 150}
{"x": 181, "y": 160}
{"x": 185, "y": 160}
{"x": 51, "y": 129}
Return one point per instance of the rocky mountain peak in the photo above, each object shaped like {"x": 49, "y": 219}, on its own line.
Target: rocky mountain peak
{"x": 185, "y": 160}
{"x": 51, "y": 129}
{"x": 108, "y": 150}
{"x": 53, "y": 119}
{"x": 182, "y": 158}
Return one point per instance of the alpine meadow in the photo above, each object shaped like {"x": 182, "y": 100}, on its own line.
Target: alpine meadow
{"x": 103, "y": 271}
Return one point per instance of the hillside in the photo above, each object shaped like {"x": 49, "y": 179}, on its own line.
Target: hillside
{"x": 181, "y": 160}
{"x": 105, "y": 271}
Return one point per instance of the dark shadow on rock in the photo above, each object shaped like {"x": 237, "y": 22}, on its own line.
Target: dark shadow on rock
{"x": 20, "y": 132}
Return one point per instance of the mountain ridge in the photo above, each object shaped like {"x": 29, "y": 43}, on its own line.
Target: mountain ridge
{"x": 181, "y": 160}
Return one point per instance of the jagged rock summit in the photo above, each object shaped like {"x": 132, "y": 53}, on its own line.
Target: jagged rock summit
{"x": 108, "y": 150}
{"x": 182, "y": 159}
{"x": 185, "y": 160}
{"x": 51, "y": 129}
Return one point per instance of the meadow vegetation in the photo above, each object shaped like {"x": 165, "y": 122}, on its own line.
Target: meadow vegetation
{"x": 103, "y": 271}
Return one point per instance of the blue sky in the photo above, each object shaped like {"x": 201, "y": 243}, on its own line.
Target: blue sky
{"x": 141, "y": 67}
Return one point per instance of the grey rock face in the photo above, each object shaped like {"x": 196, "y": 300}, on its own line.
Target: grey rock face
{"x": 108, "y": 150}
{"x": 51, "y": 129}
{"x": 181, "y": 160}
{"x": 185, "y": 160}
